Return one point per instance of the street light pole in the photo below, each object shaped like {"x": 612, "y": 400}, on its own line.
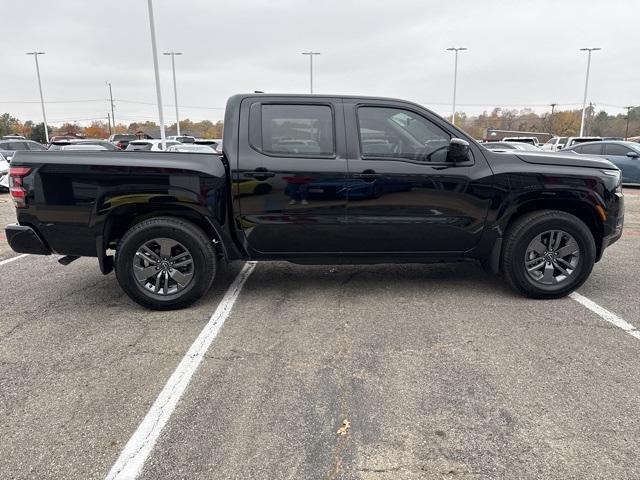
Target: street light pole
{"x": 175, "y": 87}
{"x": 586, "y": 85}
{"x": 154, "y": 50}
{"x": 113, "y": 116}
{"x": 455, "y": 80}
{"x": 44, "y": 115}
{"x": 311, "y": 54}
{"x": 626, "y": 134}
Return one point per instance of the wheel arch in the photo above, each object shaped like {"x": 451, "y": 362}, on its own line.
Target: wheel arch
{"x": 121, "y": 219}
{"x": 586, "y": 212}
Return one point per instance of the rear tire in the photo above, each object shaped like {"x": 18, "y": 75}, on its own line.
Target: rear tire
{"x": 548, "y": 254}
{"x": 165, "y": 263}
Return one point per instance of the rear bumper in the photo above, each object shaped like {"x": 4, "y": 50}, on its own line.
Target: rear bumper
{"x": 23, "y": 239}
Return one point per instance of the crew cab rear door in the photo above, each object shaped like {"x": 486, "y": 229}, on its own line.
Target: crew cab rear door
{"x": 290, "y": 181}
{"x": 409, "y": 199}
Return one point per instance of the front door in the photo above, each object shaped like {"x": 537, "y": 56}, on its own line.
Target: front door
{"x": 289, "y": 185}
{"x": 405, "y": 197}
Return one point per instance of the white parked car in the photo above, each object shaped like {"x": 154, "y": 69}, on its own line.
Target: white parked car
{"x": 149, "y": 145}
{"x": 191, "y": 148}
{"x": 4, "y": 174}
{"x": 529, "y": 140}
{"x": 554, "y": 144}
{"x": 510, "y": 147}
{"x": 84, "y": 147}
{"x": 182, "y": 138}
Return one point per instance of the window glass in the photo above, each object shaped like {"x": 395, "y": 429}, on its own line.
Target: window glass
{"x": 298, "y": 130}
{"x": 398, "y": 133}
{"x": 35, "y": 146}
{"x": 615, "y": 149}
{"x": 591, "y": 149}
{"x": 15, "y": 146}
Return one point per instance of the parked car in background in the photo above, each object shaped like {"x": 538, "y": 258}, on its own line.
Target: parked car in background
{"x": 187, "y": 148}
{"x": 90, "y": 147}
{"x": 60, "y": 144}
{"x": 210, "y": 142}
{"x": 4, "y": 174}
{"x": 149, "y": 145}
{"x": 182, "y": 138}
{"x": 10, "y": 146}
{"x": 508, "y": 146}
{"x": 530, "y": 140}
{"x": 571, "y": 141}
{"x": 13, "y": 137}
{"x": 624, "y": 155}
{"x": 121, "y": 140}
{"x": 554, "y": 144}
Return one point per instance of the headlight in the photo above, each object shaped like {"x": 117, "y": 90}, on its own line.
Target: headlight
{"x": 616, "y": 177}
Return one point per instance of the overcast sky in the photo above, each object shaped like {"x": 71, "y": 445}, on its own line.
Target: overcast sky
{"x": 520, "y": 53}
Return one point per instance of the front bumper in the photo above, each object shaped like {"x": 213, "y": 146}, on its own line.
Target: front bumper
{"x": 23, "y": 239}
{"x": 613, "y": 226}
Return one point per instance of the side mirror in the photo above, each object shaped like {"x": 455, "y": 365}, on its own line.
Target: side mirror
{"x": 458, "y": 151}
{"x": 633, "y": 154}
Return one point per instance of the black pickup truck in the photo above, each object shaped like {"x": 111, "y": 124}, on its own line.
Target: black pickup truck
{"x": 319, "y": 180}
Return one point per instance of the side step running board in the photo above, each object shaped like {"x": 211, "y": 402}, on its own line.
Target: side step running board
{"x": 67, "y": 260}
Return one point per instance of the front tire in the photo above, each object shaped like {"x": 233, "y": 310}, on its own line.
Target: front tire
{"x": 548, "y": 254}
{"x": 165, "y": 263}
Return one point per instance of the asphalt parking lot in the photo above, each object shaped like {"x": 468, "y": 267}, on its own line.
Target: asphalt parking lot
{"x": 441, "y": 372}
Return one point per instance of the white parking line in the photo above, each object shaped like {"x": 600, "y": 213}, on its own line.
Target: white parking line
{"x": 13, "y": 259}
{"x": 606, "y": 315}
{"x": 135, "y": 453}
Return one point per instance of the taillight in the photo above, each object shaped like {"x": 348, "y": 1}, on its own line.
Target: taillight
{"x": 16, "y": 187}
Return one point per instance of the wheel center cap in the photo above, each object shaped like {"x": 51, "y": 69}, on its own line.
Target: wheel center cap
{"x": 165, "y": 266}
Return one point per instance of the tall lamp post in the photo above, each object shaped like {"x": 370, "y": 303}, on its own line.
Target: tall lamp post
{"x": 44, "y": 115}
{"x": 154, "y": 50}
{"x": 586, "y": 85}
{"x": 113, "y": 116}
{"x": 455, "y": 80}
{"x": 311, "y": 54}
{"x": 175, "y": 87}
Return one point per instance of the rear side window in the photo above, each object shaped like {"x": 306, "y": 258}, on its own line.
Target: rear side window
{"x": 592, "y": 149}
{"x": 292, "y": 130}
{"x": 616, "y": 150}
{"x": 14, "y": 146}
